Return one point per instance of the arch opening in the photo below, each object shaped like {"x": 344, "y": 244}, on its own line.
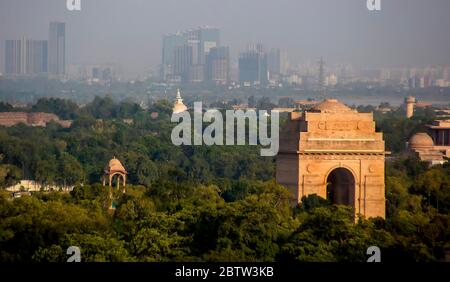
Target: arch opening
{"x": 341, "y": 187}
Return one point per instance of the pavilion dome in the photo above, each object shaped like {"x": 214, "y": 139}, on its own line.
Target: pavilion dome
{"x": 420, "y": 140}
{"x": 331, "y": 106}
{"x": 115, "y": 165}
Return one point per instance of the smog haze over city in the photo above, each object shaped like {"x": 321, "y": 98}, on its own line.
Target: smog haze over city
{"x": 405, "y": 33}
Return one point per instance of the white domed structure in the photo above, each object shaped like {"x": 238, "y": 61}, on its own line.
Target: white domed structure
{"x": 178, "y": 106}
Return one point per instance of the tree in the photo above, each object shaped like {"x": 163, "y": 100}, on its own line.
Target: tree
{"x": 70, "y": 170}
{"x": 6, "y": 107}
{"x": 9, "y": 175}
{"x": 65, "y": 109}
{"x": 47, "y": 170}
{"x": 98, "y": 248}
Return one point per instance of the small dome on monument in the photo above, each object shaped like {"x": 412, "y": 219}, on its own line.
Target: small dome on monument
{"x": 178, "y": 106}
{"x": 420, "y": 140}
{"x": 115, "y": 165}
{"x": 330, "y": 106}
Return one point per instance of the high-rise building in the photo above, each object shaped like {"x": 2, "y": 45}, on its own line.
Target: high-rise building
{"x": 25, "y": 56}
{"x": 13, "y": 57}
{"x": 196, "y": 73}
{"x": 218, "y": 65}
{"x": 249, "y": 67}
{"x": 57, "y": 49}
{"x": 39, "y": 55}
{"x": 414, "y": 82}
{"x": 274, "y": 62}
{"x": 277, "y": 63}
{"x": 253, "y": 66}
{"x": 199, "y": 41}
{"x": 182, "y": 61}
{"x": 284, "y": 62}
{"x": 209, "y": 37}
{"x": 321, "y": 79}
{"x": 446, "y": 73}
{"x": 170, "y": 41}
{"x": 193, "y": 40}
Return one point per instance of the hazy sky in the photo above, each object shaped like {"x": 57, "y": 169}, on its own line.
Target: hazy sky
{"x": 128, "y": 32}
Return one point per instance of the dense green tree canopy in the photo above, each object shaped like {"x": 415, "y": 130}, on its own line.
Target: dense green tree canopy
{"x": 198, "y": 203}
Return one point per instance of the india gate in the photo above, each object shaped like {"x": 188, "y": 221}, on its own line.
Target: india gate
{"x": 334, "y": 152}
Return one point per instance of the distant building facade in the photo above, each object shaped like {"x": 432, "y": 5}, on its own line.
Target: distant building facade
{"x": 26, "y": 57}
{"x": 14, "y": 57}
{"x": 432, "y": 146}
{"x": 31, "y": 119}
{"x": 182, "y": 62}
{"x": 33, "y": 186}
{"x": 218, "y": 65}
{"x": 57, "y": 49}
{"x": 277, "y": 63}
{"x": 170, "y": 42}
{"x": 39, "y": 57}
{"x": 253, "y": 67}
{"x": 184, "y": 54}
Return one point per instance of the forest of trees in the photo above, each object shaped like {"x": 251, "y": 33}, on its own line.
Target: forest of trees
{"x": 199, "y": 203}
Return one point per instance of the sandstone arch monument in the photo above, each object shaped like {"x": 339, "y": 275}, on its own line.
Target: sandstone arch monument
{"x": 334, "y": 151}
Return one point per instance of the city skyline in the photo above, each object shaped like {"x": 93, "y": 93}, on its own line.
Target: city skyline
{"x": 398, "y": 36}
{"x": 27, "y": 56}
{"x": 185, "y": 55}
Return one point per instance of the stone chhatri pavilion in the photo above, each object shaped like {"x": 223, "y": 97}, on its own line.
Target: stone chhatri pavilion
{"x": 114, "y": 169}
{"x": 334, "y": 152}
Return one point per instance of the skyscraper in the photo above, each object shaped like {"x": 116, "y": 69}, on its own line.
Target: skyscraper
{"x": 196, "y": 68}
{"x": 196, "y": 73}
{"x": 13, "y": 58}
{"x": 182, "y": 61}
{"x": 199, "y": 41}
{"x": 193, "y": 40}
{"x": 39, "y": 57}
{"x": 170, "y": 42}
{"x": 218, "y": 64}
{"x": 274, "y": 62}
{"x": 253, "y": 66}
{"x": 209, "y": 37}
{"x": 321, "y": 79}
{"x": 57, "y": 49}
{"x": 25, "y": 56}
{"x": 277, "y": 62}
